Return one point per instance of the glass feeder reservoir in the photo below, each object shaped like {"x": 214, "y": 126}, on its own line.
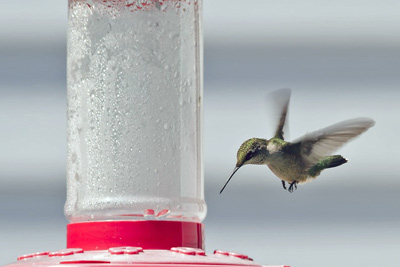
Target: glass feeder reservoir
{"x": 134, "y": 111}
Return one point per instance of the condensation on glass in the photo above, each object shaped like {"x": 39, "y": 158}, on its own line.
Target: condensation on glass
{"x": 134, "y": 111}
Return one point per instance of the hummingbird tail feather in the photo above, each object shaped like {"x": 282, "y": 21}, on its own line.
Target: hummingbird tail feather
{"x": 325, "y": 163}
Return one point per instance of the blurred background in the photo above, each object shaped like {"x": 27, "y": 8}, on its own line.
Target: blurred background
{"x": 342, "y": 60}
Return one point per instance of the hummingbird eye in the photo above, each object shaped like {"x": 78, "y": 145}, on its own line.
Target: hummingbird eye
{"x": 249, "y": 155}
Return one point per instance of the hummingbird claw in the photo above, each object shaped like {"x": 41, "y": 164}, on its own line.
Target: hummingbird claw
{"x": 292, "y": 187}
{"x": 284, "y": 184}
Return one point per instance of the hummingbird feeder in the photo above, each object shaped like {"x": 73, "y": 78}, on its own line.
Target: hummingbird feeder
{"x": 135, "y": 188}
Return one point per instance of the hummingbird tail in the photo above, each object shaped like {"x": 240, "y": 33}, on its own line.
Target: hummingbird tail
{"x": 336, "y": 160}
{"x": 325, "y": 163}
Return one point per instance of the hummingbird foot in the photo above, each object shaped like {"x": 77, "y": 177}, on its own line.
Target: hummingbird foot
{"x": 292, "y": 186}
{"x": 284, "y": 184}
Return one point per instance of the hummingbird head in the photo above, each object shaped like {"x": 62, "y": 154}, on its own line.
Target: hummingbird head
{"x": 252, "y": 151}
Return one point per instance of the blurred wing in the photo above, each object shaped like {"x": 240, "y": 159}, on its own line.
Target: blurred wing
{"x": 322, "y": 143}
{"x": 279, "y": 102}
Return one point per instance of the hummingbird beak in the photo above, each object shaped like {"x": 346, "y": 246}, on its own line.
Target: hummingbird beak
{"x": 230, "y": 177}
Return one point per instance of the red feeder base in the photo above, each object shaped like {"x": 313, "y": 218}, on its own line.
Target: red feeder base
{"x": 134, "y": 243}
{"x": 136, "y": 257}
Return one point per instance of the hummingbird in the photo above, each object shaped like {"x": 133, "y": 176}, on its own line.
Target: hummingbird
{"x": 303, "y": 159}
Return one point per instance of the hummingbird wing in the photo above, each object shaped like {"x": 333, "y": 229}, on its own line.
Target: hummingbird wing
{"x": 322, "y": 143}
{"x": 280, "y": 103}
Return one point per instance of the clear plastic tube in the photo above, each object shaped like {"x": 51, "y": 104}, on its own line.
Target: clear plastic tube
{"x": 134, "y": 110}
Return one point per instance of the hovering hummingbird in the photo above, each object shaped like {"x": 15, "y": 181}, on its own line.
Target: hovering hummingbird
{"x": 303, "y": 159}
